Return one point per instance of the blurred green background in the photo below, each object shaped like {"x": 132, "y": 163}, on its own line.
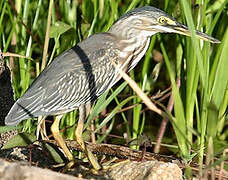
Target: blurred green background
{"x": 193, "y": 71}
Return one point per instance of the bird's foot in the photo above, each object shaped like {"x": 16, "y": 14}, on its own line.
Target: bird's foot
{"x": 92, "y": 159}
{"x": 68, "y": 166}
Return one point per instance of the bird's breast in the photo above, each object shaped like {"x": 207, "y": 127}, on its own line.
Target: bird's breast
{"x": 131, "y": 56}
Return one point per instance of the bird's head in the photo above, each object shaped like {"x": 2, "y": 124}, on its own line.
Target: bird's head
{"x": 148, "y": 21}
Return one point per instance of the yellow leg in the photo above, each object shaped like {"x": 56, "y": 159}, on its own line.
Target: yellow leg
{"x": 41, "y": 128}
{"x": 83, "y": 111}
{"x": 59, "y": 138}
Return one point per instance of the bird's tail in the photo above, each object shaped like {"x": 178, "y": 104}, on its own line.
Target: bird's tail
{"x": 17, "y": 114}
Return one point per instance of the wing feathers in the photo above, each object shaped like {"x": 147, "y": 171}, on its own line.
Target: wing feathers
{"x": 71, "y": 79}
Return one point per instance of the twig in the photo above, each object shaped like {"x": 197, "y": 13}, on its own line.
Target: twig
{"x": 164, "y": 122}
{"x": 147, "y": 101}
{"x": 116, "y": 150}
{"x": 44, "y": 58}
{"x": 16, "y": 55}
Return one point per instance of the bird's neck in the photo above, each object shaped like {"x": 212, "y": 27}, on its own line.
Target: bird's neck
{"x": 132, "y": 49}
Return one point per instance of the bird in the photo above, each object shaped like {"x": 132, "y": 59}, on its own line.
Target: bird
{"x": 78, "y": 76}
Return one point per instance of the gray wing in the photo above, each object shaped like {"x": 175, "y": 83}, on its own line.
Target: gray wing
{"x": 77, "y": 76}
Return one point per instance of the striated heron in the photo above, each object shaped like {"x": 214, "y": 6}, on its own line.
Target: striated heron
{"x": 80, "y": 75}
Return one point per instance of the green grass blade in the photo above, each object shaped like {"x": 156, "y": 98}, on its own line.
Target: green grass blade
{"x": 178, "y": 108}
{"x": 102, "y": 103}
{"x": 113, "y": 113}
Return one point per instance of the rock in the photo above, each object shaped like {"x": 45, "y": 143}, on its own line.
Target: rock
{"x": 16, "y": 171}
{"x": 149, "y": 170}
{"x": 6, "y": 99}
{"x": 6, "y": 91}
{"x": 6, "y": 136}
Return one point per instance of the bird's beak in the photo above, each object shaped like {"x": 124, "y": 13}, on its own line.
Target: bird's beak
{"x": 182, "y": 29}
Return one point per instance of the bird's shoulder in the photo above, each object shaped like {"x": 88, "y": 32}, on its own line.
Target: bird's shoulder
{"x": 89, "y": 51}
{"x": 98, "y": 41}
{"x": 87, "y": 54}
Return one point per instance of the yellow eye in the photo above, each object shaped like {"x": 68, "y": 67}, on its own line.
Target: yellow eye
{"x": 165, "y": 20}
{"x": 162, "y": 20}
